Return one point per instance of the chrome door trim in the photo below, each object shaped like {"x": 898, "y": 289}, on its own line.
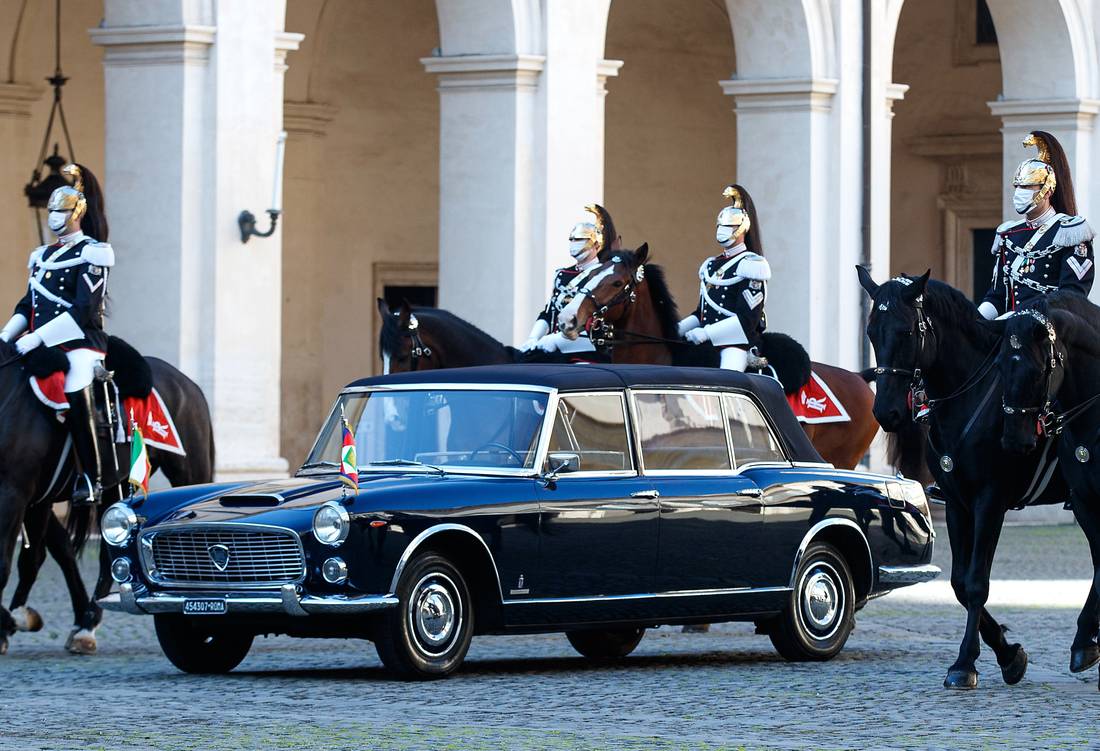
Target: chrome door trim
{"x": 651, "y": 595}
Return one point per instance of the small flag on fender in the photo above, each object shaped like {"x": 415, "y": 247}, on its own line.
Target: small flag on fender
{"x": 349, "y": 466}
{"x": 139, "y": 458}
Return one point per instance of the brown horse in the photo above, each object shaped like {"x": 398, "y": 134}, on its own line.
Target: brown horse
{"x": 628, "y": 305}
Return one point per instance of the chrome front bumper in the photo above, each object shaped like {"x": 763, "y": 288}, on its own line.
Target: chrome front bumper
{"x": 900, "y": 576}
{"x": 285, "y": 601}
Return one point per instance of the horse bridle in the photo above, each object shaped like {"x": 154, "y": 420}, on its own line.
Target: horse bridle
{"x": 419, "y": 349}
{"x": 922, "y": 327}
{"x": 1045, "y": 418}
{"x": 600, "y": 330}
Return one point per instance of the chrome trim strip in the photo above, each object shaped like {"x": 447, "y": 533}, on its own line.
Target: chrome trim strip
{"x": 816, "y": 529}
{"x": 903, "y": 575}
{"x": 287, "y": 602}
{"x": 433, "y": 530}
{"x": 548, "y": 430}
{"x": 444, "y": 386}
{"x": 650, "y": 596}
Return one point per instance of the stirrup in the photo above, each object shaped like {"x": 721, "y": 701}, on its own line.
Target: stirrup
{"x": 756, "y": 362}
{"x": 85, "y": 493}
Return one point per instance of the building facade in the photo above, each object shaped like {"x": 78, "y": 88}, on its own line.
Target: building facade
{"x": 440, "y": 151}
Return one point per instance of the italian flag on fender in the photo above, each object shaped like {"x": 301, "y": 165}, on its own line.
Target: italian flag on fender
{"x": 139, "y": 459}
{"x": 349, "y": 466}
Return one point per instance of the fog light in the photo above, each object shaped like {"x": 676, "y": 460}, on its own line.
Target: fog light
{"x": 120, "y": 569}
{"x": 335, "y": 571}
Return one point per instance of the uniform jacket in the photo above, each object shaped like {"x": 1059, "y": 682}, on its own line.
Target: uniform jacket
{"x": 1034, "y": 260}
{"x": 734, "y": 287}
{"x": 65, "y": 293}
{"x": 566, "y": 283}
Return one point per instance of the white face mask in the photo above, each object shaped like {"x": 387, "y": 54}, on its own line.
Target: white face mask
{"x": 1022, "y": 200}
{"x": 576, "y": 249}
{"x": 724, "y": 236}
{"x": 56, "y": 220}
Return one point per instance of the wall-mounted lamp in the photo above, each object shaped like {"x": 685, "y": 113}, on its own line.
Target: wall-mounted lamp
{"x": 247, "y": 220}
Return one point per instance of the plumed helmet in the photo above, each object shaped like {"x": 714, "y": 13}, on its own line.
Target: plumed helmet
{"x": 735, "y": 215}
{"x": 1038, "y": 170}
{"x": 591, "y": 231}
{"x": 69, "y": 197}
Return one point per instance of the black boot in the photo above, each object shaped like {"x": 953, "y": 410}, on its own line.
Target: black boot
{"x": 81, "y": 420}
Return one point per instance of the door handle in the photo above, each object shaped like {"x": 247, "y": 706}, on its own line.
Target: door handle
{"x": 650, "y": 494}
{"x": 751, "y": 492}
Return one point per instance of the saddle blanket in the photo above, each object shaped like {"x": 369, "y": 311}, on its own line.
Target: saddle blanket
{"x": 816, "y": 403}
{"x": 149, "y": 413}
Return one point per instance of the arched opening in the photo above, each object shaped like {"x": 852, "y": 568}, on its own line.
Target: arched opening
{"x": 670, "y": 132}
{"x": 361, "y": 193}
{"x": 947, "y": 181}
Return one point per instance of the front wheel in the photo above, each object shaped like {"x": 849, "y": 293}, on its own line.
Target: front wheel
{"x": 819, "y": 616}
{"x": 605, "y": 645}
{"x": 201, "y": 650}
{"x": 428, "y": 634}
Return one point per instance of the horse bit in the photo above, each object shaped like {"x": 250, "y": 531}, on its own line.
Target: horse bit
{"x": 419, "y": 349}
{"x": 1047, "y": 422}
{"x": 598, "y": 324}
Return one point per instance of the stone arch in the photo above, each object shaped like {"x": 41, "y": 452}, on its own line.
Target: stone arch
{"x": 487, "y": 27}
{"x": 1046, "y": 46}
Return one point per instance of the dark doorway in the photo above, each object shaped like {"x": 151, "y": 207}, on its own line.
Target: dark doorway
{"x": 416, "y": 295}
{"x": 983, "y": 262}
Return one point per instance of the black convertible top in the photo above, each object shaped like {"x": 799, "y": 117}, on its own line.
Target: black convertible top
{"x": 594, "y": 377}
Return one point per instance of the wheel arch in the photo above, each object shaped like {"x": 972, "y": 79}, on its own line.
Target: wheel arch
{"x": 847, "y": 537}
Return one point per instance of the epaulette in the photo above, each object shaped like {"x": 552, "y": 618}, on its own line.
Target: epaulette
{"x": 1010, "y": 224}
{"x": 36, "y": 254}
{"x": 1072, "y": 231}
{"x": 754, "y": 267}
{"x": 98, "y": 254}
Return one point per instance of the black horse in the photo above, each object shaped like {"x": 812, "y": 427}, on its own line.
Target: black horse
{"x": 1050, "y": 362}
{"x": 33, "y": 476}
{"x": 931, "y": 342}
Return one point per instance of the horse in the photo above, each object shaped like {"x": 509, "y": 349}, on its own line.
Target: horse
{"x": 629, "y": 308}
{"x": 936, "y": 352}
{"x": 1050, "y": 357}
{"x": 34, "y": 439}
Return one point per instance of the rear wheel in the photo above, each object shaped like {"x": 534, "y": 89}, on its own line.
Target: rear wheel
{"x": 203, "y": 650}
{"x": 428, "y": 634}
{"x": 819, "y": 616}
{"x": 606, "y": 645}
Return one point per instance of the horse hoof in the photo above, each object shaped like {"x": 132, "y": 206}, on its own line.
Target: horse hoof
{"x": 81, "y": 642}
{"x": 26, "y": 619}
{"x": 961, "y": 680}
{"x": 1013, "y": 671}
{"x": 1083, "y": 658}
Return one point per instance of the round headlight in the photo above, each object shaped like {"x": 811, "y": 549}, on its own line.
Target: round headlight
{"x": 331, "y": 524}
{"x": 335, "y": 571}
{"x": 120, "y": 569}
{"x": 117, "y": 523}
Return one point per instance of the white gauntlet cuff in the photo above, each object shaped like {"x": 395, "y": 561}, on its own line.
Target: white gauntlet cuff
{"x": 14, "y": 327}
{"x": 689, "y": 323}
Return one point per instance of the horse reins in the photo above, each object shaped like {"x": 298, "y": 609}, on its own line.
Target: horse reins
{"x": 419, "y": 349}
{"x": 599, "y": 325}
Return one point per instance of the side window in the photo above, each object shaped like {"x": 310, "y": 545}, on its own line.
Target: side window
{"x": 682, "y": 431}
{"x": 593, "y": 426}
{"x": 753, "y": 440}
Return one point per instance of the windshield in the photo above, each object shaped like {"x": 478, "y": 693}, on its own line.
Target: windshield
{"x": 436, "y": 428}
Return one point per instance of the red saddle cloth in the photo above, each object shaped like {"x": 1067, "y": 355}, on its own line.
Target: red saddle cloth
{"x": 816, "y": 403}
{"x": 150, "y": 413}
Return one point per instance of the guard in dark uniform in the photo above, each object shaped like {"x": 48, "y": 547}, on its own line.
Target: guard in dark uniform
{"x": 587, "y": 240}
{"x": 63, "y": 308}
{"x": 733, "y": 286}
{"x": 1051, "y": 248}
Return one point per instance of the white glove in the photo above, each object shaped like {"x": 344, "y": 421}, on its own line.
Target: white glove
{"x": 13, "y": 328}
{"x": 550, "y": 343}
{"x": 538, "y": 331}
{"x": 689, "y": 323}
{"x": 697, "y": 336}
{"x": 988, "y": 310}
{"x": 26, "y": 343}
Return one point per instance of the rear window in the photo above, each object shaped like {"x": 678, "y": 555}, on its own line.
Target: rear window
{"x": 682, "y": 431}
{"x": 750, "y": 433}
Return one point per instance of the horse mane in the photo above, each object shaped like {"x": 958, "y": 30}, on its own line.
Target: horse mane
{"x": 1080, "y": 323}
{"x": 663, "y": 303}
{"x": 391, "y": 335}
{"x": 950, "y": 310}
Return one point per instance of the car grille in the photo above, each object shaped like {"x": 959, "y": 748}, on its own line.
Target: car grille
{"x": 255, "y": 557}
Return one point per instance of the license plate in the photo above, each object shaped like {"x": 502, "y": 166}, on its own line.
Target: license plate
{"x": 204, "y": 607}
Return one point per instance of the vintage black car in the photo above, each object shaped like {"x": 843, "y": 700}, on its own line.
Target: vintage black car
{"x": 595, "y": 500}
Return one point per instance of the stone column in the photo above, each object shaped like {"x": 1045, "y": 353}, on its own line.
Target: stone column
{"x": 17, "y": 149}
{"x": 193, "y": 106}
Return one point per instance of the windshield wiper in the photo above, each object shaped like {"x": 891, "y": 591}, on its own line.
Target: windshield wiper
{"x": 407, "y": 463}
{"x": 315, "y": 465}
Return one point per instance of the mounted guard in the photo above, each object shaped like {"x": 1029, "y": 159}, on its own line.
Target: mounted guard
{"x": 1051, "y": 247}
{"x": 587, "y": 240}
{"x": 733, "y": 286}
{"x": 62, "y": 312}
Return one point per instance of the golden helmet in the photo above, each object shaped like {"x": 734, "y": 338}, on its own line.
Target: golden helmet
{"x": 1037, "y": 170}
{"x": 70, "y": 197}
{"x": 589, "y": 231}
{"x": 735, "y": 214}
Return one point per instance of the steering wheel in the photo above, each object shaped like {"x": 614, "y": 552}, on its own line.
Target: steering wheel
{"x": 494, "y": 445}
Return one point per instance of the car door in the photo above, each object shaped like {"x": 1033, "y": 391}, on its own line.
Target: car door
{"x": 598, "y": 532}
{"x": 709, "y": 515}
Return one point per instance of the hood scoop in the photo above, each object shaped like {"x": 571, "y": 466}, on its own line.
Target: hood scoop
{"x": 251, "y": 501}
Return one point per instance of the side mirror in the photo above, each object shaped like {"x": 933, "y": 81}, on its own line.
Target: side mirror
{"x": 561, "y": 462}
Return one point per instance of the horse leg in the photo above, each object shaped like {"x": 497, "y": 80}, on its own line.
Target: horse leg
{"x": 11, "y": 516}
{"x": 31, "y": 557}
{"x": 60, "y": 547}
{"x": 82, "y": 641}
{"x": 1084, "y": 653}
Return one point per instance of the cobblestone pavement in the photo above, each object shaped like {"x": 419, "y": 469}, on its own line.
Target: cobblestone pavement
{"x": 718, "y": 690}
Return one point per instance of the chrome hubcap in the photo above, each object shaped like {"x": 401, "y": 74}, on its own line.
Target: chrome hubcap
{"x": 822, "y": 601}
{"x": 435, "y": 614}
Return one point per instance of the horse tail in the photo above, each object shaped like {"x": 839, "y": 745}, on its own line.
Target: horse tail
{"x": 789, "y": 359}
{"x": 79, "y": 525}
{"x": 905, "y": 450}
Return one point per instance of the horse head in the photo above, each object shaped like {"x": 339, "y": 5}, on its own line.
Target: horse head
{"x": 404, "y": 344}
{"x": 904, "y": 343}
{"x": 607, "y": 293}
{"x": 1032, "y": 360}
